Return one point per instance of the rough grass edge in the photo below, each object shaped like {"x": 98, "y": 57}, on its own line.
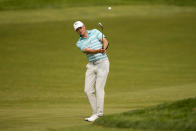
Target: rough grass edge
{"x": 178, "y": 115}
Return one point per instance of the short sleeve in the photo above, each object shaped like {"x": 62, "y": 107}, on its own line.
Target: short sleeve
{"x": 81, "y": 46}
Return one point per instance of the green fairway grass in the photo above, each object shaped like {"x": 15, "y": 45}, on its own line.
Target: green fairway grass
{"x": 177, "y": 116}
{"x": 152, "y": 56}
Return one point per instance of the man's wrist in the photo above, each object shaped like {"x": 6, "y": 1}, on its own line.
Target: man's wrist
{"x": 98, "y": 51}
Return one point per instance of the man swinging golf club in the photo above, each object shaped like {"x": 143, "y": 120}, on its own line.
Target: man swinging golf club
{"x": 94, "y": 44}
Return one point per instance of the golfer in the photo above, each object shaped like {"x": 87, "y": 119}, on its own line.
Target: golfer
{"x": 94, "y": 45}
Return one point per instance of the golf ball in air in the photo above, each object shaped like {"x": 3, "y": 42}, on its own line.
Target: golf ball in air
{"x": 109, "y": 8}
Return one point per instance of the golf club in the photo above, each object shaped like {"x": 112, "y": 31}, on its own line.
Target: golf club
{"x": 100, "y": 25}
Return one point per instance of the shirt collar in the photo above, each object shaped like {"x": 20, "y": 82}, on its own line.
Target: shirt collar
{"x": 89, "y": 33}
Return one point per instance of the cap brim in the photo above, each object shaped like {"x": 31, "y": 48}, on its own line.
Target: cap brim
{"x": 78, "y": 27}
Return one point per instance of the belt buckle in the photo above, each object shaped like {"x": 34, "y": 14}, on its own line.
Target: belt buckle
{"x": 97, "y": 62}
{"x": 94, "y": 62}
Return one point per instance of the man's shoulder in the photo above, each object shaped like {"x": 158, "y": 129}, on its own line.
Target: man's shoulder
{"x": 79, "y": 41}
{"x": 93, "y": 31}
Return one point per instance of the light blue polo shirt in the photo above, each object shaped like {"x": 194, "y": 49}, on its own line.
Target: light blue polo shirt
{"x": 92, "y": 42}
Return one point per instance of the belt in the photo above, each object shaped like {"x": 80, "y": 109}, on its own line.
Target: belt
{"x": 98, "y": 61}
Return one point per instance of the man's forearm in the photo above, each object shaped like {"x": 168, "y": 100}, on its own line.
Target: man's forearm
{"x": 91, "y": 51}
{"x": 105, "y": 43}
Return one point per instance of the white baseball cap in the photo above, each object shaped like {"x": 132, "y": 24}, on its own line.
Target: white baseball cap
{"x": 77, "y": 24}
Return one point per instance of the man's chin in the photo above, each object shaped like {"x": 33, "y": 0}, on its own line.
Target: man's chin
{"x": 81, "y": 34}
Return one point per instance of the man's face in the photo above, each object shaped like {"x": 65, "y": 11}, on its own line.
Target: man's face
{"x": 81, "y": 30}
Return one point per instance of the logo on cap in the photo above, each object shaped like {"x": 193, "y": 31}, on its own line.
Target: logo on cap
{"x": 77, "y": 24}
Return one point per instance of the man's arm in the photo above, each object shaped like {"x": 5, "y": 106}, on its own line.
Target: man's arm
{"x": 105, "y": 43}
{"x": 91, "y": 51}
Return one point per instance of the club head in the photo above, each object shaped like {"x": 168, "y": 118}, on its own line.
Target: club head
{"x": 100, "y": 25}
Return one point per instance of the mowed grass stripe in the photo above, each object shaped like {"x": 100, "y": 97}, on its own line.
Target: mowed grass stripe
{"x": 92, "y": 13}
{"x": 37, "y": 4}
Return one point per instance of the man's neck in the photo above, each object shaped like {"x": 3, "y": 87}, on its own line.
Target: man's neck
{"x": 85, "y": 35}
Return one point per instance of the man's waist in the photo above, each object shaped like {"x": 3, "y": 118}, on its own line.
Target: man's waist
{"x": 98, "y": 61}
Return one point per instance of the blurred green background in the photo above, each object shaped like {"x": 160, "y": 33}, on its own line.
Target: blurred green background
{"x": 34, "y": 4}
{"x": 152, "y": 56}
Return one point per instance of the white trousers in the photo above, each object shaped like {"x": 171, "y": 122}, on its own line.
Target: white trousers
{"x": 96, "y": 76}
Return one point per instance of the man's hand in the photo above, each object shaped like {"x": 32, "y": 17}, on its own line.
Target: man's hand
{"x": 103, "y": 51}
